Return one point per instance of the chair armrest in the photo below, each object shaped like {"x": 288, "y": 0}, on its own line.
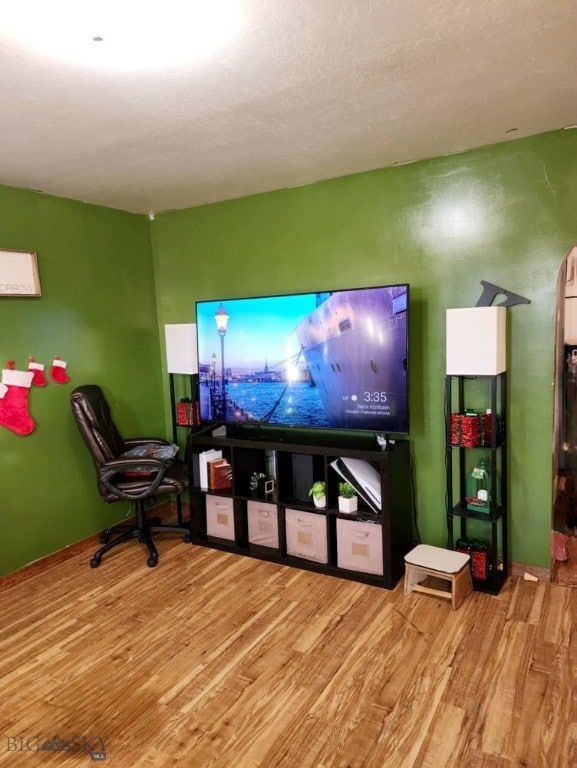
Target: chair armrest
{"x": 117, "y": 467}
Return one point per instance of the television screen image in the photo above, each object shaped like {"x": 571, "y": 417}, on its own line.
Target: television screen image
{"x": 332, "y": 360}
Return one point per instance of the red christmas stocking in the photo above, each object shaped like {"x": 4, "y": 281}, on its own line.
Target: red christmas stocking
{"x": 14, "y": 391}
{"x": 58, "y": 371}
{"x": 39, "y": 379}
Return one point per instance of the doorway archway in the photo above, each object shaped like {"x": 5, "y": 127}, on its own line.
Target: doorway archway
{"x": 564, "y": 506}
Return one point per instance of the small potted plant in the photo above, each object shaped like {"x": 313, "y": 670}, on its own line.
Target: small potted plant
{"x": 319, "y": 493}
{"x": 347, "y": 498}
{"x": 257, "y": 480}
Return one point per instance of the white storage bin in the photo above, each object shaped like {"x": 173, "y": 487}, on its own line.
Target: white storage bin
{"x": 359, "y": 546}
{"x": 306, "y": 535}
{"x": 262, "y": 524}
{"x": 220, "y": 517}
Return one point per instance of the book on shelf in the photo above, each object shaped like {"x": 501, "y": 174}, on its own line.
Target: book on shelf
{"x": 219, "y": 474}
{"x": 203, "y": 458}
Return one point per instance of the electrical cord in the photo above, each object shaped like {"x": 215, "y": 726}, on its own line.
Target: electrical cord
{"x": 414, "y": 521}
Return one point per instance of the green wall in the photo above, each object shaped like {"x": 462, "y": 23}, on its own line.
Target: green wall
{"x": 98, "y": 313}
{"x": 506, "y": 214}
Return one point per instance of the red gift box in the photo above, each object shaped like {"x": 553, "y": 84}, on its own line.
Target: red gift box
{"x": 471, "y": 430}
{"x": 187, "y": 413}
{"x": 479, "y": 553}
{"x": 479, "y": 560}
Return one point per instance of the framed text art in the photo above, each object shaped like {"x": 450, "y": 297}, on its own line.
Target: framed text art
{"x": 19, "y": 273}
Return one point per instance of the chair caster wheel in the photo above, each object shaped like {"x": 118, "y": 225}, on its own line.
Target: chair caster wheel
{"x": 152, "y": 562}
{"x": 95, "y": 562}
{"x": 187, "y": 538}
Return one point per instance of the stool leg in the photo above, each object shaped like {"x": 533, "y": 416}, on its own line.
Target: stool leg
{"x": 408, "y": 585}
{"x": 461, "y": 586}
{"x": 413, "y": 575}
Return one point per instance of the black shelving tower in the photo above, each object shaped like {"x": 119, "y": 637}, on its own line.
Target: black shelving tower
{"x": 193, "y": 389}
{"x": 458, "y": 465}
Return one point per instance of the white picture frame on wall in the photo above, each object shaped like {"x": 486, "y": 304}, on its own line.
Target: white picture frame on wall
{"x": 19, "y": 273}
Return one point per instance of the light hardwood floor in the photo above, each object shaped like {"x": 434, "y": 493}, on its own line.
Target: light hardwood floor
{"x": 219, "y": 661}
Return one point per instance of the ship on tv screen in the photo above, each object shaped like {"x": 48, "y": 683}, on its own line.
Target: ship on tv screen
{"x": 332, "y": 360}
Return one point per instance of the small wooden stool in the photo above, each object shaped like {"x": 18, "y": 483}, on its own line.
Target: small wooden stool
{"x": 425, "y": 565}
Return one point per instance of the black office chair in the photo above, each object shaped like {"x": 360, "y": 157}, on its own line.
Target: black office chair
{"x": 126, "y": 478}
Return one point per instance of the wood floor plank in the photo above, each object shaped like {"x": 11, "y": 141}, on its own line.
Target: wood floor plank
{"x": 444, "y": 738}
{"x": 558, "y": 614}
{"x": 217, "y": 661}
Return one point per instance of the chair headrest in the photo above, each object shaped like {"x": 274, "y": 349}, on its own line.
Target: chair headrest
{"x": 92, "y": 414}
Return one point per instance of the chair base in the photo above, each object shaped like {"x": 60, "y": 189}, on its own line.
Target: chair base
{"x": 141, "y": 530}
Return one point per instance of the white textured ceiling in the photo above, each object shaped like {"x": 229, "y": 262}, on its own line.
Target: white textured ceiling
{"x": 307, "y": 90}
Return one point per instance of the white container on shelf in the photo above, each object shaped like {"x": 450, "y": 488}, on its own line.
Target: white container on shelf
{"x": 360, "y": 546}
{"x": 306, "y": 535}
{"x": 220, "y": 517}
{"x": 348, "y": 505}
{"x": 262, "y": 524}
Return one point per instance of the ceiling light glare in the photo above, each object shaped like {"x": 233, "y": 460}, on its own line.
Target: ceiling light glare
{"x": 122, "y": 34}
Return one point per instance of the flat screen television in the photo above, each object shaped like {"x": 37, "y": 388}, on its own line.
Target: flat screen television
{"x": 329, "y": 360}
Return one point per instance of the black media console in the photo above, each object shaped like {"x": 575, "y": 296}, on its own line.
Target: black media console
{"x": 278, "y": 521}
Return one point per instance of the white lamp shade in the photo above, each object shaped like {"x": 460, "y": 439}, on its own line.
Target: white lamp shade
{"x": 181, "y": 356}
{"x": 476, "y": 341}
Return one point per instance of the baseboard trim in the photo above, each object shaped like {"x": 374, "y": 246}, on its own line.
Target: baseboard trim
{"x": 164, "y": 511}
{"x": 518, "y": 571}
{"x": 48, "y": 561}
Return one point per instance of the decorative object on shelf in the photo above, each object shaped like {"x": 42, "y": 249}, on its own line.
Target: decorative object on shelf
{"x": 261, "y": 484}
{"x": 268, "y": 484}
{"x": 479, "y": 552}
{"x": 479, "y": 489}
{"x": 348, "y": 501}
{"x": 479, "y": 560}
{"x": 39, "y": 379}
{"x": 255, "y": 479}
{"x": 14, "y": 394}
{"x": 187, "y": 413}
{"x": 318, "y": 491}
{"x": 58, "y": 371}
{"x": 471, "y": 429}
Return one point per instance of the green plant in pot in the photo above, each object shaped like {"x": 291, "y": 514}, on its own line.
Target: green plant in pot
{"x": 348, "y": 500}
{"x": 256, "y": 482}
{"x": 318, "y": 491}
